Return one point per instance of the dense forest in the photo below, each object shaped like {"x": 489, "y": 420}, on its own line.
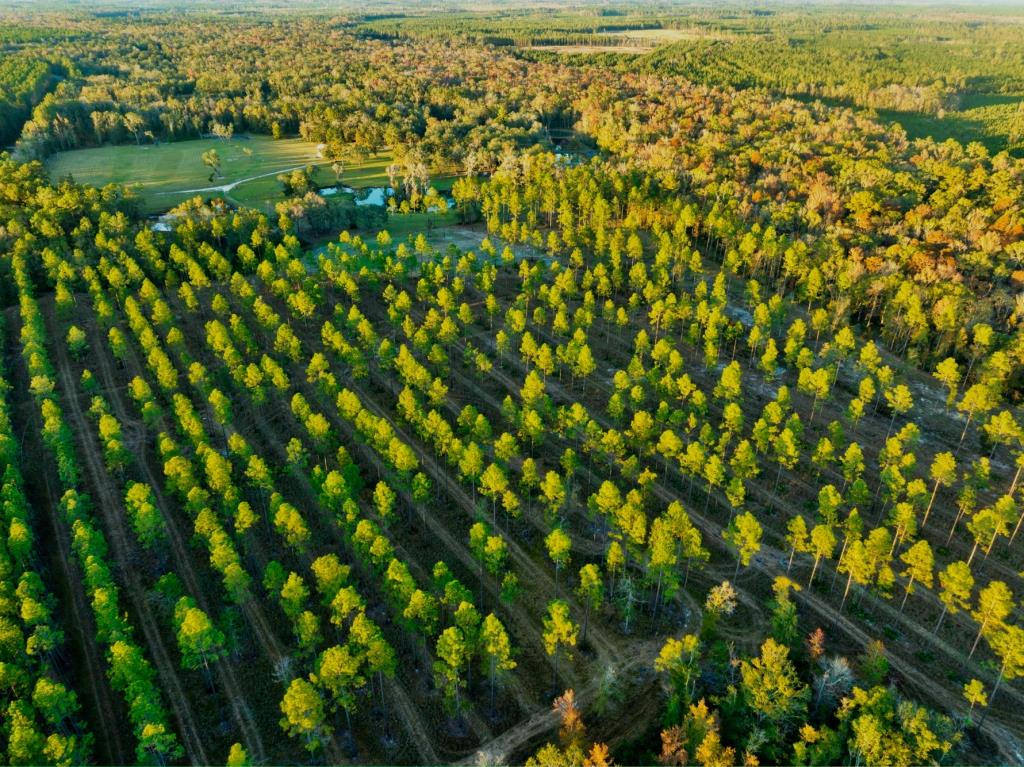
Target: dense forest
{"x": 565, "y": 387}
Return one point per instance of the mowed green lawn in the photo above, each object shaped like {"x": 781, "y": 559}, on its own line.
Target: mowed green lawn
{"x": 161, "y": 173}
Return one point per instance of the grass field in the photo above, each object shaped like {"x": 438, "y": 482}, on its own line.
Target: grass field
{"x": 162, "y": 174}
{"x": 987, "y": 118}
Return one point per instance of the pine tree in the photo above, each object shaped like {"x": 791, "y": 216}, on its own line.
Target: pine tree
{"x": 558, "y": 547}
{"x": 496, "y": 651}
{"x": 920, "y": 564}
{"x": 1008, "y": 646}
{"x": 956, "y": 583}
{"x": 772, "y": 688}
{"x": 560, "y": 633}
{"x": 995, "y": 603}
{"x": 942, "y": 472}
{"x": 304, "y": 715}
{"x": 744, "y": 533}
{"x": 797, "y": 538}
{"x": 338, "y": 673}
{"x": 452, "y": 656}
{"x": 591, "y": 591}
{"x": 823, "y": 543}
{"x": 198, "y": 639}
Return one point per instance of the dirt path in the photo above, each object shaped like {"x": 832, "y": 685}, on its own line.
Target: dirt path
{"x": 638, "y": 665}
{"x": 241, "y": 711}
{"x": 410, "y": 715}
{"x": 225, "y": 188}
{"x": 610, "y": 652}
{"x": 109, "y": 506}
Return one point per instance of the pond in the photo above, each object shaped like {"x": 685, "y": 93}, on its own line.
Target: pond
{"x": 371, "y": 195}
{"x": 162, "y": 223}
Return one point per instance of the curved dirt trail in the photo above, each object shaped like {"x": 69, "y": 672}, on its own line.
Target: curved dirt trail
{"x": 229, "y": 186}
{"x": 108, "y": 505}
{"x": 609, "y": 652}
{"x": 502, "y": 748}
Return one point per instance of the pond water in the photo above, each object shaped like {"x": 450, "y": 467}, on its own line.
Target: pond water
{"x": 163, "y": 223}
{"x": 371, "y": 195}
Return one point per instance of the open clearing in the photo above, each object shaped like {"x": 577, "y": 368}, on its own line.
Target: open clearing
{"x": 162, "y": 169}
{"x": 635, "y": 41}
{"x": 166, "y": 174}
{"x": 571, "y": 49}
{"x": 654, "y": 37}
